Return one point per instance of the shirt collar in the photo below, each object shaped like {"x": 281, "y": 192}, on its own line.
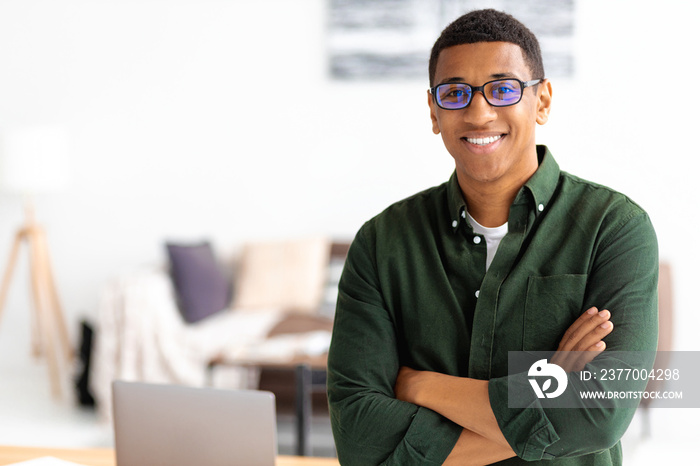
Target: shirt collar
{"x": 541, "y": 186}
{"x": 455, "y": 202}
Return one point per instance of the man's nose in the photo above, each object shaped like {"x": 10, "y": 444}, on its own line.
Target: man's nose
{"x": 479, "y": 110}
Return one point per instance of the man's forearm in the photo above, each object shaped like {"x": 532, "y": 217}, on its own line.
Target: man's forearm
{"x": 472, "y": 449}
{"x": 462, "y": 400}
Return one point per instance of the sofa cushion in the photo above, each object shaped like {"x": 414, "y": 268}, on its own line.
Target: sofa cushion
{"x": 286, "y": 275}
{"x": 201, "y": 286}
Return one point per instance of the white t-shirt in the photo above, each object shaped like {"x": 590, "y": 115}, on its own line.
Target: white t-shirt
{"x": 493, "y": 237}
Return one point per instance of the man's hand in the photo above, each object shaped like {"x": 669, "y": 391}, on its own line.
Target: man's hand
{"x": 583, "y": 340}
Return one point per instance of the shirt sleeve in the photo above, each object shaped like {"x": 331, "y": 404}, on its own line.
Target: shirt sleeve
{"x": 369, "y": 425}
{"x": 623, "y": 279}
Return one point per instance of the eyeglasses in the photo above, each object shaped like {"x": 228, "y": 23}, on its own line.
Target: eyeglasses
{"x": 498, "y": 93}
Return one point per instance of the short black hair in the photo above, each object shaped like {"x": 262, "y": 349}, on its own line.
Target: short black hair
{"x": 489, "y": 26}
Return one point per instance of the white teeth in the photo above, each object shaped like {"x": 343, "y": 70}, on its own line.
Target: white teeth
{"x": 483, "y": 141}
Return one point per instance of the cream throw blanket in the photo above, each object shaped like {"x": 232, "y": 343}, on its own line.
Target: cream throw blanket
{"x": 141, "y": 335}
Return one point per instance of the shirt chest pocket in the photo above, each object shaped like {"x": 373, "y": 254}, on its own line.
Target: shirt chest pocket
{"x": 552, "y": 304}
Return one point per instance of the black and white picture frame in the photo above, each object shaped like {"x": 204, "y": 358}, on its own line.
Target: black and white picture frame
{"x": 391, "y": 39}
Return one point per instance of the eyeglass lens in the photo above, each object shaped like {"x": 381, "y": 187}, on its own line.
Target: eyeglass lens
{"x": 498, "y": 93}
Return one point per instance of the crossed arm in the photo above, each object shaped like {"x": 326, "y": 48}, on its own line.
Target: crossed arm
{"x": 465, "y": 401}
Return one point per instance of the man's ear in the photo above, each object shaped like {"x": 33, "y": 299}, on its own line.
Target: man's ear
{"x": 433, "y": 117}
{"x": 544, "y": 101}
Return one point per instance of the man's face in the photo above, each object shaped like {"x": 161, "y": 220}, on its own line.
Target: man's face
{"x": 490, "y": 144}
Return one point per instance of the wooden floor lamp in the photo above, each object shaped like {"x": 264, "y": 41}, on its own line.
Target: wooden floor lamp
{"x": 38, "y": 150}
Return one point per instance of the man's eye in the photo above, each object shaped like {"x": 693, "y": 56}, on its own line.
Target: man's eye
{"x": 504, "y": 92}
{"x": 455, "y": 93}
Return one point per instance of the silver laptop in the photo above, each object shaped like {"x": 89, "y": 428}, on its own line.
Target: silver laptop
{"x": 185, "y": 426}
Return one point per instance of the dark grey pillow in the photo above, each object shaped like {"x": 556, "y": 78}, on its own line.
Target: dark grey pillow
{"x": 201, "y": 286}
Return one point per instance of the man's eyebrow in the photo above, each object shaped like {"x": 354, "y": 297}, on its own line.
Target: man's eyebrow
{"x": 453, "y": 80}
{"x": 457, "y": 79}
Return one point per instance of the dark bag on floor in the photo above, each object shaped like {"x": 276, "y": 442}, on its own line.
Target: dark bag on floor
{"x": 82, "y": 380}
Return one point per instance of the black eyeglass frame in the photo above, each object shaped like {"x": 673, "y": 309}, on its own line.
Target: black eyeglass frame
{"x": 475, "y": 89}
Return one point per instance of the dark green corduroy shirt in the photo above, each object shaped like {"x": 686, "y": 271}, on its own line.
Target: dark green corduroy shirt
{"x": 414, "y": 292}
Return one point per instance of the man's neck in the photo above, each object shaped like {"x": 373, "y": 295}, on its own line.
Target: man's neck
{"x": 489, "y": 209}
{"x": 489, "y": 202}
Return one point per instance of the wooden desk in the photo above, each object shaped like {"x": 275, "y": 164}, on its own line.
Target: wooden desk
{"x": 105, "y": 456}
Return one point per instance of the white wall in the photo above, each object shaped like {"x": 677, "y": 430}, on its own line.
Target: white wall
{"x": 159, "y": 97}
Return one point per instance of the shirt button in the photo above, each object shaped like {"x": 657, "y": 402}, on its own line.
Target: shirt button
{"x": 454, "y": 224}
{"x": 540, "y": 207}
{"x": 464, "y": 214}
{"x": 477, "y": 239}
{"x": 477, "y": 293}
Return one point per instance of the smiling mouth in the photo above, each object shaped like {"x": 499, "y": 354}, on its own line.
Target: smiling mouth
{"x": 483, "y": 141}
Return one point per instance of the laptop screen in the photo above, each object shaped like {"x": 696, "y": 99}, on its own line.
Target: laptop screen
{"x": 175, "y": 425}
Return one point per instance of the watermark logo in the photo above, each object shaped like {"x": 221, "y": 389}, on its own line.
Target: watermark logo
{"x": 543, "y": 370}
{"x": 614, "y": 379}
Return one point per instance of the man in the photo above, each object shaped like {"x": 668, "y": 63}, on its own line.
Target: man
{"x": 511, "y": 254}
